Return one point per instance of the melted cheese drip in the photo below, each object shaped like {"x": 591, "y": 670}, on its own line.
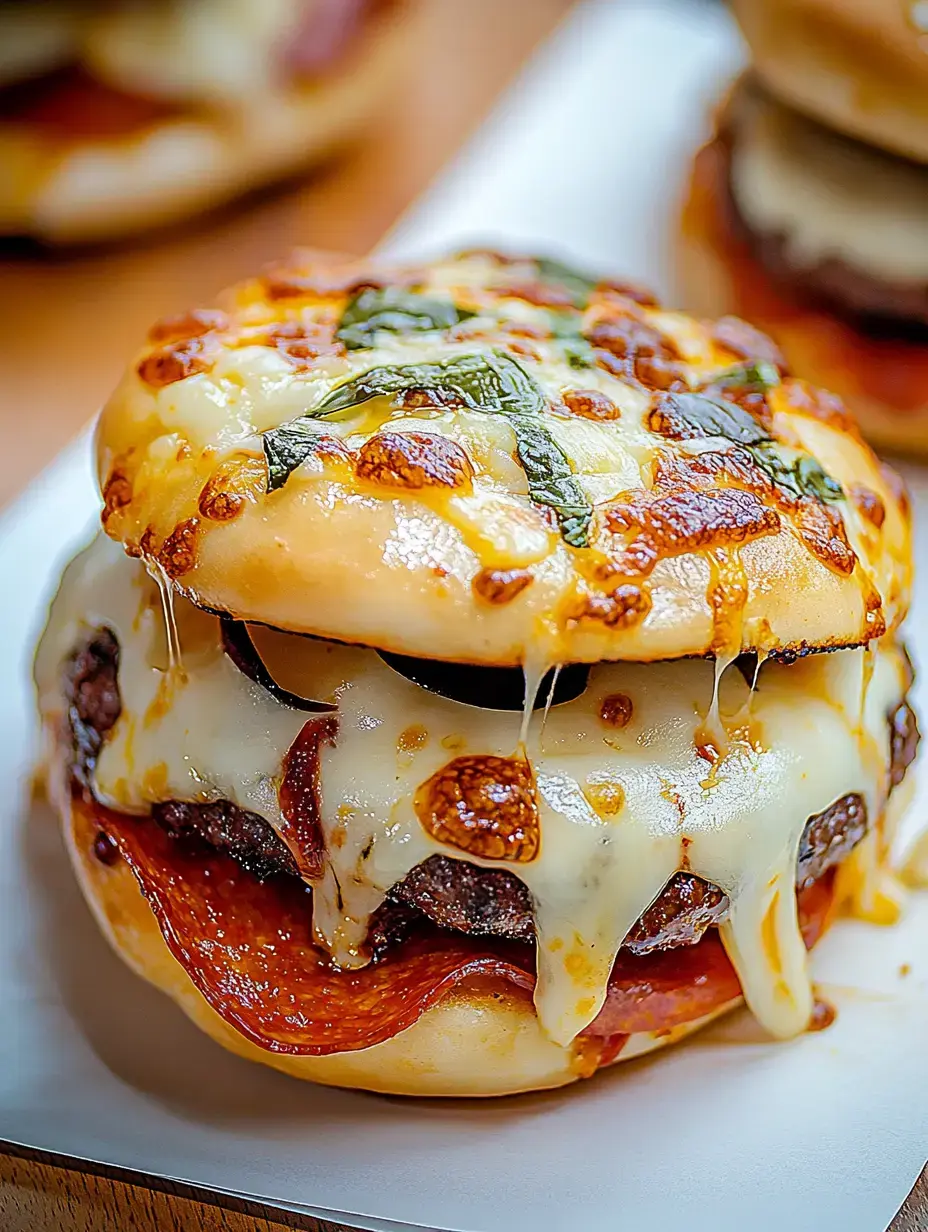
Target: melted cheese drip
{"x": 818, "y": 731}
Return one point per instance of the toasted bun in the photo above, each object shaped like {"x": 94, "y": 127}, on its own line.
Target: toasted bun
{"x": 857, "y": 65}
{"x": 883, "y": 380}
{"x": 478, "y": 1041}
{"x": 67, "y": 191}
{"x": 407, "y": 523}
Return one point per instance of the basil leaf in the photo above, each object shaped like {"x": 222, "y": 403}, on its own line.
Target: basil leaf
{"x": 707, "y": 416}
{"x": 758, "y": 375}
{"x": 286, "y": 448}
{"x": 492, "y": 383}
{"x": 396, "y": 310}
{"x": 579, "y": 353}
{"x": 578, "y": 286}
{"x": 551, "y": 481}
{"x": 803, "y": 477}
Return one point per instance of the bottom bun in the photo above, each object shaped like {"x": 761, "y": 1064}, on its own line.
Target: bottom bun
{"x": 883, "y": 380}
{"x": 73, "y": 192}
{"x": 483, "y": 1039}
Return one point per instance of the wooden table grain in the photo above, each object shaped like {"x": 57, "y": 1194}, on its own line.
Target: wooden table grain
{"x": 68, "y": 323}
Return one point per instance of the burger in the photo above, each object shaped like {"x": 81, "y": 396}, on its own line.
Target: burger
{"x": 123, "y": 115}
{"x": 807, "y": 211}
{"x": 482, "y": 674}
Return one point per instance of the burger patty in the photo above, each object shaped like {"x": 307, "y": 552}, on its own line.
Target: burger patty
{"x": 877, "y": 306}
{"x": 454, "y": 894}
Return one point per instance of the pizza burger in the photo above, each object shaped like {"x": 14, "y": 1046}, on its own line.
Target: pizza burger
{"x": 482, "y": 674}
{"x": 808, "y": 210}
{"x": 123, "y": 115}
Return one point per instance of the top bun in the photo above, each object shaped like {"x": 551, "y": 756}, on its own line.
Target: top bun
{"x": 498, "y": 460}
{"x": 859, "y": 66}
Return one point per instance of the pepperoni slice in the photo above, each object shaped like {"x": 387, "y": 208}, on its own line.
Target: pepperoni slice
{"x": 247, "y": 947}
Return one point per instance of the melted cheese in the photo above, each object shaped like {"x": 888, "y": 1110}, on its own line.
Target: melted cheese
{"x": 210, "y": 50}
{"x": 621, "y": 809}
{"x": 831, "y": 198}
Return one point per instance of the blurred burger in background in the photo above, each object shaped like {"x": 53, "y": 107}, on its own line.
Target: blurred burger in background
{"x": 121, "y": 115}
{"x": 807, "y": 213}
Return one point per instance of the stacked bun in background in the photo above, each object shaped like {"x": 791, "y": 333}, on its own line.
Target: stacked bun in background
{"x": 808, "y": 210}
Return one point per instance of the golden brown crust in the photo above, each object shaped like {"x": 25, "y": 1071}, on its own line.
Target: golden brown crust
{"x": 599, "y": 480}
{"x": 882, "y": 380}
{"x": 859, "y": 66}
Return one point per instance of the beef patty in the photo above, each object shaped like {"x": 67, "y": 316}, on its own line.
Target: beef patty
{"x": 453, "y": 894}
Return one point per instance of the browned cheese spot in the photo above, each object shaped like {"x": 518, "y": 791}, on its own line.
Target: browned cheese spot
{"x": 805, "y": 399}
{"x": 629, "y": 347}
{"x": 623, "y": 607}
{"x": 413, "y": 460}
{"x": 411, "y": 739}
{"x": 616, "y": 710}
{"x": 483, "y": 805}
{"x": 868, "y": 504}
{"x": 820, "y": 526}
{"x": 174, "y": 362}
{"x": 178, "y": 553}
{"x": 302, "y": 342}
{"x": 328, "y": 281}
{"x": 117, "y": 493}
{"x": 590, "y": 404}
{"x": 234, "y": 481}
{"x": 188, "y": 325}
{"x": 613, "y": 289}
{"x": 874, "y": 619}
{"x": 746, "y": 342}
{"x": 500, "y": 585}
{"x": 685, "y": 521}
{"x": 822, "y": 530}
{"x": 536, "y": 291}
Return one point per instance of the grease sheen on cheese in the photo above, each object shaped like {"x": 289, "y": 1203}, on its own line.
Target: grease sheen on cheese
{"x": 807, "y": 735}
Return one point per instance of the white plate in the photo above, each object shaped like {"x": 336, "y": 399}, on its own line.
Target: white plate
{"x": 726, "y": 1133}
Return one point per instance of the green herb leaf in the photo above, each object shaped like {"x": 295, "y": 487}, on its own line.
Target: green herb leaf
{"x": 759, "y": 375}
{"x": 286, "y": 448}
{"x": 707, "y": 416}
{"x": 397, "y": 310}
{"x": 578, "y": 286}
{"x": 803, "y": 476}
{"x": 492, "y": 383}
{"x": 551, "y": 480}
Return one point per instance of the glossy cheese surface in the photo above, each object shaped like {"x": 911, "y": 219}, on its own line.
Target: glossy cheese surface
{"x": 566, "y": 472}
{"x": 623, "y": 789}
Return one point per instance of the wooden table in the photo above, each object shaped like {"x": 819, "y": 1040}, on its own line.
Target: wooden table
{"x": 90, "y": 310}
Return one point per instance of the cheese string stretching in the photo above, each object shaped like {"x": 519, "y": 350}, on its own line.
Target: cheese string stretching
{"x": 430, "y": 885}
